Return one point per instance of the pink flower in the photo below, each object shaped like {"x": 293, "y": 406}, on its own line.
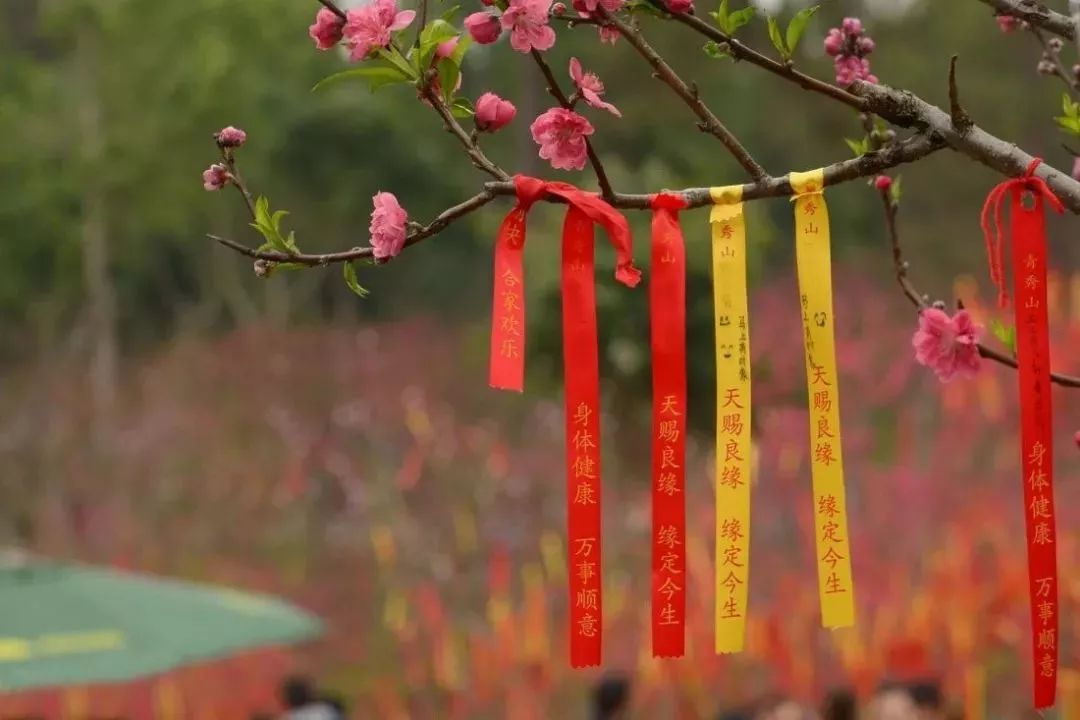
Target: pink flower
{"x": 484, "y": 27}
{"x": 369, "y": 27}
{"x": 1007, "y": 23}
{"x": 388, "y": 225}
{"x": 560, "y": 133}
{"x": 852, "y": 26}
{"x": 215, "y": 177}
{"x": 834, "y": 42}
{"x": 589, "y": 6}
{"x": 327, "y": 30}
{"x": 446, "y": 49}
{"x": 527, "y": 21}
{"x": 1076, "y": 438}
{"x": 591, "y": 88}
{"x": 609, "y": 34}
{"x": 947, "y": 345}
{"x": 680, "y": 6}
{"x": 231, "y": 137}
{"x": 493, "y": 113}
{"x": 850, "y": 68}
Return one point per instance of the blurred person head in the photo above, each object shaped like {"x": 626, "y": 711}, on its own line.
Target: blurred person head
{"x": 840, "y": 705}
{"x": 611, "y": 698}
{"x": 783, "y": 709}
{"x": 740, "y": 714}
{"x": 297, "y": 692}
{"x": 335, "y": 702}
{"x": 893, "y": 702}
{"x": 929, "y": 700}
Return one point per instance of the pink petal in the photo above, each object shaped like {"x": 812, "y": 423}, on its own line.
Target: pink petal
{"x": 543, "y": 38}
{"x": 575, "y": 71}
{"x": 403, "y": 19}
{"x": 597, "y": 102}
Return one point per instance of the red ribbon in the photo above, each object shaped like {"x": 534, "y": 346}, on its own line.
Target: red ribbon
{"x": 667, "y": 310}
{"x": 582, "y": 375}
{"x": 507, "y": 352}
{"x": 1028, "y": 230}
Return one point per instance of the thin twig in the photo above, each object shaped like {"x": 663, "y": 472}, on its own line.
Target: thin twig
{"x": 960, "y": 119}
{"x": 334, "y": 9}
{"x": 472, "y": 148}
{"x": 560, "y": 97}
{"x": 236, "y": 179}
{"x": 739, "y": 51}
{"x": 901, "y": 267}
{"x": 1060, "y": 71}
{"x": 423, "y": 21}
{"x": 316, "y": 260}
{"x": 709, "y": 122}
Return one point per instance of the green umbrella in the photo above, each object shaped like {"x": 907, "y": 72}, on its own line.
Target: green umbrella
{"x": 71, "y": 624}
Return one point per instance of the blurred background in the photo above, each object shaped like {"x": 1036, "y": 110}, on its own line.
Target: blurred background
{"x": 164, "y": 410}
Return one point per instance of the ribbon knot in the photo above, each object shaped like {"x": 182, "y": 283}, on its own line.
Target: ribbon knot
{"x": 993, "y": 213}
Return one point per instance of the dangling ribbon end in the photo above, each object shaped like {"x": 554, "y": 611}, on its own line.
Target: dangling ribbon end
{"x": 628, "y": 275}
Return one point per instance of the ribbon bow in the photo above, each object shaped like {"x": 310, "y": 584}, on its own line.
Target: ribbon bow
{"x": 993, "y": 211}
{"x": 507, "y": 357}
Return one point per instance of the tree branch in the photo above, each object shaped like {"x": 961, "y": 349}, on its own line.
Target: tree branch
{"x": 1037, "y": 14}
{"x": 433, "y": 228}
{"x": 863, "y": 166}
{"x": 472, "y": 148}
{"x": 901, "y": 267}
{"x": 908, "y": 110}
{"x": 739, "y": 51}
{"x": 556, "y": 92}
{"x": 709, "y": 122}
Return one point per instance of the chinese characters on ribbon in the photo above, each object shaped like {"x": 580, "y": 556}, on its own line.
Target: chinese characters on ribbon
{"x": 1033, "y": 353}
{"x": 581, "y": 367}
{"x": 733, "y": 447}
{"x": 667, "y": 309}
{"x": 813, "y": 256}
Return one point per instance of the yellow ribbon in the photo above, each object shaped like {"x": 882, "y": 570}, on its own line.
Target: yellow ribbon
{"x": 733, "y": 449}
{"x": 835, "y": 583}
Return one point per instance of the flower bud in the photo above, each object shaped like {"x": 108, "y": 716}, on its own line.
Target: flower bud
{"x": 231, "y": 137}
{"x": 883, "y": 182}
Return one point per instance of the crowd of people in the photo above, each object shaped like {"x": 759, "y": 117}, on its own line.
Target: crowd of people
{"x": 611, "y": 699}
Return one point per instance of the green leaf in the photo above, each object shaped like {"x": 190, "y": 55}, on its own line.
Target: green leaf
{"x": 1006, "y": 334}
{"x": 462, "y": 108}
{"x": 462, "y": 47}
{"x": 894, "y": 191}
{"x": 777, "y": 40}
{"x": 352, "y": 282}
{"x": 714, "y": 50}
{"x": 797, "y": 27}
{"x": 449, "y": 73}
{"x": 449, "y": 14}
{"x": 275, "y": 219}
{"x": 723, "y": 21}
{"x": 740, "y": 18}
{"x": 438, "y": 32}
{"x": 377, "y": 76}
{"x": 859, "y": 147}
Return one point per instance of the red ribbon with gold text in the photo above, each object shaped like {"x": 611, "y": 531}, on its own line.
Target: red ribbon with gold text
{"x": 1028, "y": 231}
{"x": 507, "y": 363}
{"x": 582, "y": 375}
{"x": 667, "y": 311}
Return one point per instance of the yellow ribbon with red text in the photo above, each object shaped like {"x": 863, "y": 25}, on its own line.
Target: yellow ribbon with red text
{"x": 813, "y": 257}
{"x": 733, "y": 450}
